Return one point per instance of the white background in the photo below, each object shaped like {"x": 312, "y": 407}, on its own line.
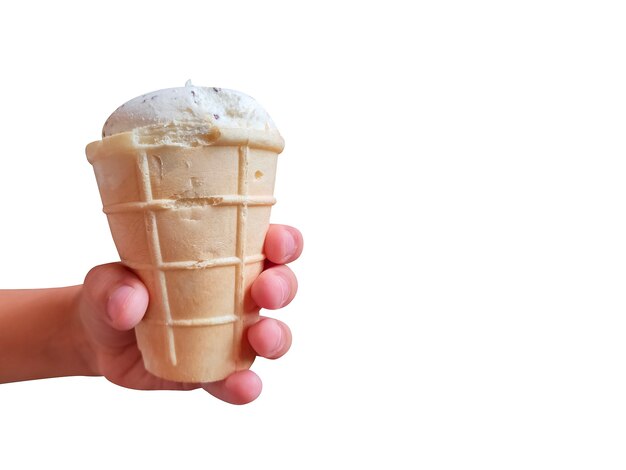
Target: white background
{"x": 458, "y": 171}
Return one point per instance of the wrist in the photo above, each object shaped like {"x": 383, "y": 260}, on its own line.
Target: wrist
{"x": 41, "y": 335}
{"x": 83, "y": 351}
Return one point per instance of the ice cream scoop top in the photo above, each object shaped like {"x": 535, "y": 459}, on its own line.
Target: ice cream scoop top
{"x": 190, "y": 104}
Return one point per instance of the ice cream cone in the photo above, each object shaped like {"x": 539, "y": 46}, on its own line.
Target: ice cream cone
{"x": 190, "y": 219}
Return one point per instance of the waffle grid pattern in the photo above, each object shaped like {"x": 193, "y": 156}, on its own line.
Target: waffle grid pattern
{"x": 150, "y": 206}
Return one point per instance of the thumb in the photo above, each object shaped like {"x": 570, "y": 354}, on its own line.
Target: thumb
{"x": 113, "y": 300}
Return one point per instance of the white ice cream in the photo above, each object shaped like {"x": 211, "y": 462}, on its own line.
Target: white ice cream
{"x": 189, "y": 106}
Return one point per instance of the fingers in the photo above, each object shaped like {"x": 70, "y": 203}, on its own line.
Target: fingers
{"x": 239, "y": 388}
{"x": 283, "y": 244}
{"x": 270, "y": 338}
{"x": 274, "y": 288}
{"x": 114, "y": 300}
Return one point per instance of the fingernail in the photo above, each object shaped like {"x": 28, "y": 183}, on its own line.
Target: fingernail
{"x": 290, "y": 245}
{"x": 278, "y": 332}
{"x": 285, "y": 290}
{"x": 119, "y": 298}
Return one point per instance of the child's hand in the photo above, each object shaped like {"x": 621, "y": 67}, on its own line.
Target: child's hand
{"x": 113, "y": 300}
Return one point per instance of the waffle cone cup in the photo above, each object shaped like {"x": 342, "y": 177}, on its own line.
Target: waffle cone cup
{"x": 190, "y": 220}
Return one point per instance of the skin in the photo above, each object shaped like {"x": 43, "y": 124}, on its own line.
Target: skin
{"x": 88, "y": 329}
